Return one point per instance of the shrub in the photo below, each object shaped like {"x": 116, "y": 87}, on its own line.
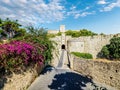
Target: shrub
{"x": 111, "y": 51}
{"x": 17, "y": 54}
{"x": 38, "y": 36}
{"x": 51, "y": 35}
{"x": 59, "y": 34}
{"x": 83, "y": 32}
{"x": 105, "y": 52}
{"x": 114, "y": 48}
{"x": 69, "y": 32}
{"x": 82, "y": 55}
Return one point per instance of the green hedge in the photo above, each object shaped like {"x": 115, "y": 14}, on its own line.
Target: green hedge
{"x": 82, "y": 55}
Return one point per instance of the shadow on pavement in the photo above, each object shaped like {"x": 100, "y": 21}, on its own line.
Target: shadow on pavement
{"x": 71, "y": 81}
{"x": 48, "y": 68}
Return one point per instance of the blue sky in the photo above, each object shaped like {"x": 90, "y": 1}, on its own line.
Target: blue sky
{"x": 95, "y": 15}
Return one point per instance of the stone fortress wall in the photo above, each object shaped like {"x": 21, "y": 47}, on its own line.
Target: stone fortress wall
{"x": 84, "y": 44}
{"x": 53, "y": 31}
{"x": 90, "y": 44}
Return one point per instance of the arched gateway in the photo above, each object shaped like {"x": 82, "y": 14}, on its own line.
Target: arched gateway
{"x": 63, "y": 46}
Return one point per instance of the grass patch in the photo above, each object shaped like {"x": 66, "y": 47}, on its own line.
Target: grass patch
{"x": 83, "y": 55}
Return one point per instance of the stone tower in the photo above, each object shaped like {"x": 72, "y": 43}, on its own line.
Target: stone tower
{"x": 63, "y": 37}
{"x": 62, "y": 28}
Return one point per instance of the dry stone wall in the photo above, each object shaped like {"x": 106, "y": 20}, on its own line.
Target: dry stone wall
{"x": 20, "y": 81}
{"x": 107, "y": 72}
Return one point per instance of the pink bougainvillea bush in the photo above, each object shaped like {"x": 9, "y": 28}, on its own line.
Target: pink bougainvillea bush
{"x": 17, "y": 54}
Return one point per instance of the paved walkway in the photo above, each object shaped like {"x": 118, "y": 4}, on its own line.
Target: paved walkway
{"x": 60, "y": 78}
{"x": 61, "y": 61}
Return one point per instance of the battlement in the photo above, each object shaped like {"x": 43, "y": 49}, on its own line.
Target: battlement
{"x": 53, "y": 31}
{"x": 62, "y": 29}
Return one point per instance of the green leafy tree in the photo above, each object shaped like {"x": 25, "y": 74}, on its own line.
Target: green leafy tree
{"x": 59, "y": 33}
{"x": 114, "y": 47}
{"x": 20, "y": 32}
{"x": 105, "y": 52}
{"x": 83, "y": 32}
{"x": 112, "y": 51}
{"x": 102, "y": 34}
{"x": 10, "y": 28}
{"x": 39, "y": 32}
{"x": 51, "y": 35}
{"x": 39, "y": 35}
{"x": 69, "y": 32}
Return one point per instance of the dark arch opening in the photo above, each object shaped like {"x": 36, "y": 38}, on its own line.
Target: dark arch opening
{"x": 63, "y": 46}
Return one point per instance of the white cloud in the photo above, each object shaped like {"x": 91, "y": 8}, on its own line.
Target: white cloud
{"x": 86, "y": 13}
{"x": 32, "y": 11}
{"x": 110, "y": 6}
{"x": 73, "y": 12}
{"x": 46, "y": 11}
{"x": 73, "y": 8}
{"x": 102, "y": 2}
{"x": 83, "y": 14}
{"x": 79, "y": 13}
{"x": 76, "y": 15}
{"x": 87, "y": 8}
{"x": 6, "y": 1}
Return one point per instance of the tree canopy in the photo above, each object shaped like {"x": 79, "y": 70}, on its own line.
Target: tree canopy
{"x": 83, "y": 32}
{"x": 112, "y": 50}
{"x": 10, "y": 28}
